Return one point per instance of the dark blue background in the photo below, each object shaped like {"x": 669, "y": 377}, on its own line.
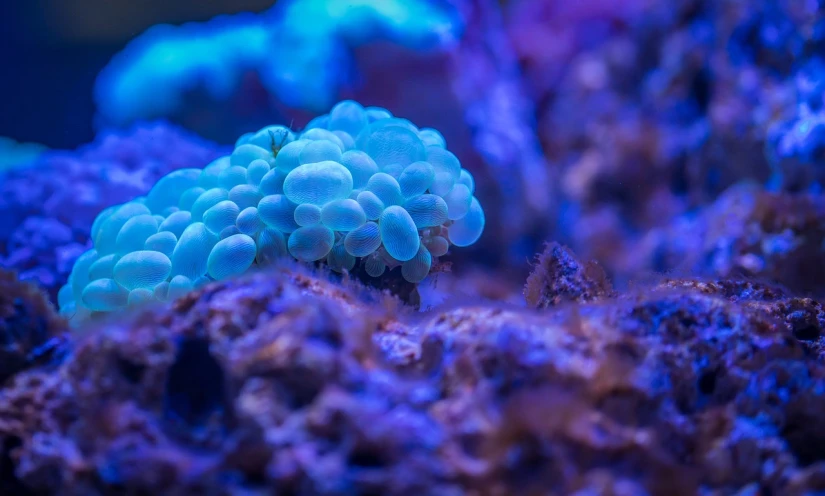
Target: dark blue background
{"x": 52, "y": 50}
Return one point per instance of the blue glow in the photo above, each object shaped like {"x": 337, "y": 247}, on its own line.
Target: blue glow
{"x": 301, "y": 49}
{"x": 14, "y": 154}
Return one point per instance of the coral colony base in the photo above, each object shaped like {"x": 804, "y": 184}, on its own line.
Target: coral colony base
{"x": 356, "y": 186}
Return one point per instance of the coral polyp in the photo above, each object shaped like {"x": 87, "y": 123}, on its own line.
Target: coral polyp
{"x": 356, "y": 186}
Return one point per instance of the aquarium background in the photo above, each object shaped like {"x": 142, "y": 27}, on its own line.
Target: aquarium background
{"x": 55, "y": 50}
{"x": 633, "y": 305}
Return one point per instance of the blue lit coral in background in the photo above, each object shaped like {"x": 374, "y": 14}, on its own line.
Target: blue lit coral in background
{"x": 355, "y": 184}
{"x": 300, "y": 49}
{"x": 151, "y": 75}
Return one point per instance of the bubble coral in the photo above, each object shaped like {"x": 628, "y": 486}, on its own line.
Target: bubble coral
{"x": 356, "y": 183}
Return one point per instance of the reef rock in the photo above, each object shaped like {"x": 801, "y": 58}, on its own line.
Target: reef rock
{"x": 287, "y": 381}
{"x": 746, "y": 232}
{"x": 558, "y": 276}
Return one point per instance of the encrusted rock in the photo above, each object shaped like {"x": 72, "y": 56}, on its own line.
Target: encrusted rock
{"x": 30, "y": 330}
{"x": 558, "y": 277}
{"x": 285, "y": 381}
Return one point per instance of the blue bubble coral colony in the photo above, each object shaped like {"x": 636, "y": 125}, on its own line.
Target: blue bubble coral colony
{"x": 356, "y": 186}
